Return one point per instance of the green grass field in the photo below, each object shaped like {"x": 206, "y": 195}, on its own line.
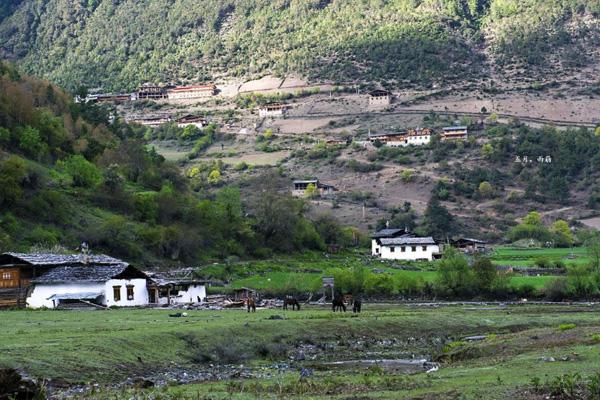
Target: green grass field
{"x": 78, "y": 347}
{"x": 527, "y": 257}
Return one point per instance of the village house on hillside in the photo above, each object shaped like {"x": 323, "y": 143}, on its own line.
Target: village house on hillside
{"x": 149, "y": 91}
{"x": 322, "y": 189}
{"x": 151, "y": 121}
{"x": 197, "y": 121}
{"x": 400, "y": 244}
{"x": 450, "y": 133}
{"x": 191, "y": 92}
{"x": 272, "y": 110}
{"x": 470, "y": 245}
{"x": 414, "y": 137}
{"x": 380, "y": 98}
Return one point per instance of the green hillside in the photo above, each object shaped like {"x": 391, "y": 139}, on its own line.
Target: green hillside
{"x": 119, "y": 44}
{"x": 68, "y": 174}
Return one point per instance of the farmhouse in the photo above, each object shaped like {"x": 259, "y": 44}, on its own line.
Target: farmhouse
{"x": 18, "y": 270}
{"x": 272, "y": 110}
{"x": 149, "y": 91}
{"x": 415, "y": 137}
{"x": 387, "y": 233}
{"x": 409, "y": 248}
{"x": 469, "y": 245}
{"x": 119, "y": 285}
{"x": 191, "y": 92}
{"x": 167, "y": 291}
{"x": 378, "y": 98}
{"x": 454, "y": 133}
{"x": 323, "y": 189}
{"x": 153, "y": 122}
{"x": 198, "y": 122}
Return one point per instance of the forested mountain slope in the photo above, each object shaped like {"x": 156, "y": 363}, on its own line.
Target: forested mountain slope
{"x": 117, "y": 44}
{"x": 68, "y": 174}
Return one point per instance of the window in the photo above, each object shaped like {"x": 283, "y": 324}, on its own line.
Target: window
{"x": 117, "y": 293}
{"x": 129, "y": 292}
{"x": 424, "y": 248}
{"x": 413, "y": 248}
{"x": 403, "y": 249}
{"x": 392, "y": 249}
{"x": 7, "y": 276}
{"x": 377, "y": 250}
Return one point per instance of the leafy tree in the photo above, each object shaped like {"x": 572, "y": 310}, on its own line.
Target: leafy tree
{"x": 593, "y": 251}
{"x": 454, "y": 277}
{"x": 485, "y": 189}
{"x": 83, "y": 172}
{"x": 487, "y": 150}
{"x": 214, "y": 178}
{"x": 31, "y": 142}
{"x": 563, "y": 237}
{"x": 311, "y": 191}
{"x": 438, "y": 220}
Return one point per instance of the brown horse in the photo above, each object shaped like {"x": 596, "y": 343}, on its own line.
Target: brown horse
{"x": 251, "y": 304}
{"x": 291, "y": 301}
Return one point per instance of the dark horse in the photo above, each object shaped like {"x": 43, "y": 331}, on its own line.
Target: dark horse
{"x": 356, "y": 305}
{"x": 338, "y": 304}
{"x": 291, "y": 301}
{"x": 251, "y": 304}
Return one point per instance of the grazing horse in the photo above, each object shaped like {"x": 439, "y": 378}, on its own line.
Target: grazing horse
{"x": 291, "y": 301}
{"x": 338, "y": 304}
{"x": 356, "y": 305}
{"x": 251, "y": 304}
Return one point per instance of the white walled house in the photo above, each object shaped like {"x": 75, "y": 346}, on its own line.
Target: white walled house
{"x": 272, "y": 110}
{"x": 119, "y": 285}
{"x": 180, "y": 291}
{"x": 387, "y": 233}
{"x": 409, "y": 248}
{"x": 380, "y": 98}
{"x": 412, "y": 137}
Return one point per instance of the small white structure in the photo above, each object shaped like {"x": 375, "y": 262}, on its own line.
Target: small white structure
{"x": 272, "y": 110}
{"x": 409, "y": 248}
{"x": 387, "y": 233}
{"x": 119, "y": 285}
{"x": 179, "y": 291}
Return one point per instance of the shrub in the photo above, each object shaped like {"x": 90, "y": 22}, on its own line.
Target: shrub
{"x": 555, "y": 290}
{"x": 566, "y": 327}
{"x": 83, "y": 172}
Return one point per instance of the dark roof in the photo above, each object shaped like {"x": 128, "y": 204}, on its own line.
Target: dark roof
{"x": 454, "y": 128}
{"x": 89, "y": 273}
{"x": 379, "y": 92}
{"x": 49, "y": 259}
{"x": 407, "y": 241}
{"x": 468, "y": 240}
{"x": 389, "y": 233}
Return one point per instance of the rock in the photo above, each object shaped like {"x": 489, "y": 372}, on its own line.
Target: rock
{"x": 548, "y": 359}
{"x": 142, "y": 383}
{"x": 14, "y": 387}
{"x": 275, "y": 317}
{"x": 475, "y": 338}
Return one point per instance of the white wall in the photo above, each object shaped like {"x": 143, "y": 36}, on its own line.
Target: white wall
{"x": 186, "y": 296}
{"x": 41, "y": 292}
{"x": 375, "y": 247}
{"x": 408, "y": 254}
{"x": 414, "y": 140}
{"x": 140, "y": 292}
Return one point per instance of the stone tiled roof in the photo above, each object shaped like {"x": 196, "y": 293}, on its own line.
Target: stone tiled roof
{"x": 49, "y": 259}
{"x": 88, "y": 273}
{"x": 407, "y": 241}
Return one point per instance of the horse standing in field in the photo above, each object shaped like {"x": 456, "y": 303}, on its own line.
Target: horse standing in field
{"x": 356, "y": 305}
{"x": 291, "y": 301}
{"x": 251, "y": 304}
{"x": 338, "y": 304}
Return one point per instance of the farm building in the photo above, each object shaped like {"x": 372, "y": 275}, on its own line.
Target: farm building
{"x": 323, "y": 189}
{"x": 378, "y": 98}
{"x": 119, "y": 285}
{"x": 409, "y": 248}
{"x": 167, "y": 291}
{"x": 272, "y": 110}
{"x": 149, "y": 91}
{"x": 153, "y": 122}
{"x": 469, "y": 245}
{"x": 414, "y": 137}
{"x": 454, "y": 133}
{"x": 198, "y": 122}
{"x": 191, "y": 92}
{"x": 387, "y": 233}
{"x": 18, "y": 270}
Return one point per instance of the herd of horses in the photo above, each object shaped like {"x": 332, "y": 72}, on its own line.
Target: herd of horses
{"x": 339, "y": 303}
